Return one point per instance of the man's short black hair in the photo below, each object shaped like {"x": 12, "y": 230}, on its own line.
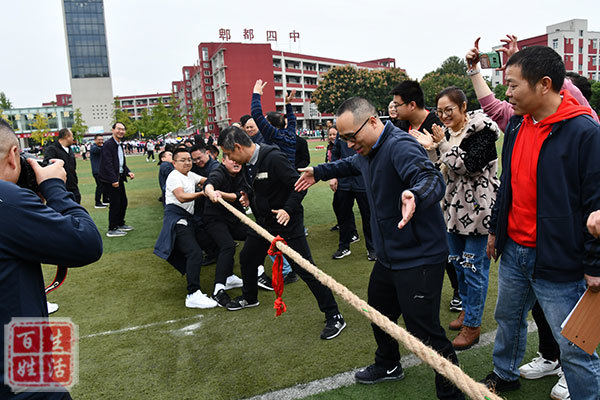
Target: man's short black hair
{"x": 119, "y": 122}
{"x": 584, "y": 86}
{"x": 97, "y": 135}
{"x": 410, "y": 91}
{"x": 190, "y": 141}
{"x": 63, "y": 132}
{"x": 214, "y": 150}
{"x": 200, "y": 146}
{"x": 537, "y": 62}
{"x": 276, "y": 119}
{"x": 181, "y": 150}
{"x": 359, "y": 107}
{"x": 232, "y": 135}
{"x": 245, "y": 119}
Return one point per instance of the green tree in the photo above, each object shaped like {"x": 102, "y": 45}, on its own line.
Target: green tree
{"x": 500, "y": 91}
{"x": 145, "y": 123}
{"x": 199, "y": 113}
{"x": 162, "y": 120}
{"x": 343, "y": 82}
{"x": 40, "y": 134}
{"x": 179, "y": 122}
{"x": 595, "y": 99}
{"x": 122, "y": 116}
{"x": 5, "y": 103}
{"x": 79, "y": 128}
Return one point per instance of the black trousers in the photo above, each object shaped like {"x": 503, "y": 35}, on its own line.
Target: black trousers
{"x": 77, "y": 194}
{"x": 451, "y": 272}
{"x": 253, "y": 254}
{"x": 225, "y": 233}
{"x": 150, "y": 154}
{"x": 415, "y": 294}
{"x": 118, "y": 205}
{"x": 186, "y": 244}
{"x": 335, "y": 204}
{"x": 548, "y": 347}
{"x": 346, "y": 217}
{"x": 100, "y": 196}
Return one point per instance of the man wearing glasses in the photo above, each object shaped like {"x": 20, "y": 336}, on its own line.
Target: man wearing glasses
{"x": 183, "y": 251}
{"x": 404, "y": 190}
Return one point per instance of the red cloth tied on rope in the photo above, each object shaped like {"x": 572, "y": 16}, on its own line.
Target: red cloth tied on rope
{"x": 279, "y": 305}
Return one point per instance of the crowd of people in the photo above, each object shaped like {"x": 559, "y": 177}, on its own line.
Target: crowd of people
{"x": 430, "y": 199}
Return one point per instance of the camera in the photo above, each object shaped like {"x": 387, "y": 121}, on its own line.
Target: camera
{"x": 27, "y": 178}
{"x": 490, "y": 60}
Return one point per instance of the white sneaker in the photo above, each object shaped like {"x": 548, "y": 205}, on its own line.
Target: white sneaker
{"x": 539, "y": 367}
{"x": 560, "y": 391}
{"x": 52, "y": 307}
{"x": 233, "y": 281}
{"x": 199, "y": 300}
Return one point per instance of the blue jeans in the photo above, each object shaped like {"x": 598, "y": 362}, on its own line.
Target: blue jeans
{"x": 472, "y": 265}
{"x": 285, "y": 269}
{"x": 517, "y": 292}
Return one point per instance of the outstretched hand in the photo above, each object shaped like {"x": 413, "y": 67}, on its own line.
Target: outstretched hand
{"x": 424, "y": 139}
{"x": 259, "y": 86}
{"x": 510, "y": 47}
{"x": 409, "y": 206}
{"x": 472, "y": 56}
{"x": 290, "y": 97}
{"x": 306, "y": 180}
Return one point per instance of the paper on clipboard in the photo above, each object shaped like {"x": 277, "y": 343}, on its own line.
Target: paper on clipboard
{"x": 581, "y": 326}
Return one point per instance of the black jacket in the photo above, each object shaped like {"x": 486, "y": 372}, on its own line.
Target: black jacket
{"x": 222, "y": 180}
{"x": 302, "y": 154}
{"x": 272, "y": 183}
{"x": 55, "y": 150}
{"x": 109, "y": 164}
{"x": 341, "y": 150}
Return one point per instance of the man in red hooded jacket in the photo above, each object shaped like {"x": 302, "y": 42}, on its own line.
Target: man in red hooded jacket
{"x": 550, "y": 183}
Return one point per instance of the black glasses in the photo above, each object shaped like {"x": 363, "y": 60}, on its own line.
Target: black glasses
{"x": 396, "y": 105}
{"x": 349, "y": 137}
{"x": 446, "y": 111}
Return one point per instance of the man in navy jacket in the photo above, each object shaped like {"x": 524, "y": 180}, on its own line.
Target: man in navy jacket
{"x": 114, "y": 172}
{"x": 60, "y": 232}
{"x": 100, "y": 197}
{"x": 404, "y": 190}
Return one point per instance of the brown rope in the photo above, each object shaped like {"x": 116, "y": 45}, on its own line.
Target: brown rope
{"x": 463, "y": 381}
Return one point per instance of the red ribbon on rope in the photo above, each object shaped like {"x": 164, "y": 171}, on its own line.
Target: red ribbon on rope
{"x": 279, "y": 305}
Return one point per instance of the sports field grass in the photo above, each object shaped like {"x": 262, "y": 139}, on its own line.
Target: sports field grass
{"x": 138, "y": 341}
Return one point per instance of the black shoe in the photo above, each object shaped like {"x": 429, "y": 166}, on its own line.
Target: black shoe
{"x": 375, "y": 373}
{"x": 290, "y": 278}
{"x": 264, "y": 282}
{"x": 371, "y": 256}
{"x": 239, "y": 302}
{"x": 498, "y": 385}
{"x": 333, "y": 327}
{"x": 341, "y": 253}
{"x": 355, "y": 238}
{"x": 334, "y": 228}
{"x": 222, "y": 298}
{"x": 456, "y": 303}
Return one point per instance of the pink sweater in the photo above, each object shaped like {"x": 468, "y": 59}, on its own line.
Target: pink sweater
{"x": 501, "y": 111}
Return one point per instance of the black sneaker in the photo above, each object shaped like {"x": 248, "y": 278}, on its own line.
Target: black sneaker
{"x": 341, "y": 253}
{"x": 290, "y": 278}
{"x": 498, "y": 385}
{"x": 100, "y": 205}
{"x": 334, "y": 228}
{"x": 355, "y": 238}
{"x": 222, "y": 298}
{"x": 240, "y": 302}
{"x": 125, "y": 228}
{"x": 456, "y": 303}
{"x": 333, "y": 327}
{"x": 371, "y": 256}
{"x": 375, "y": 373}
{"x": 264, "y": 282}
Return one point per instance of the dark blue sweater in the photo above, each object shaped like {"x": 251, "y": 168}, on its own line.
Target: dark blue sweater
{"x": 165, "y": 244}
{"x": 396, "y": 164}
{"x": 568, "y": 190}
{"x": 59, "y": 233}
{"x": 285, "y": 139}
{"x": 95, "y": 158}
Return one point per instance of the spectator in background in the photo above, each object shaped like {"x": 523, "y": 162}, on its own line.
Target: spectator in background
{"x": 249, "y": 126}
{"x": 302, "y": 158}
{"x": 150, "y": 150}
{"x": 100, "y": 195}
{"x": 61, "y": 150}
{"x": 331, "y": 136}
{"x": 165, "y": 162}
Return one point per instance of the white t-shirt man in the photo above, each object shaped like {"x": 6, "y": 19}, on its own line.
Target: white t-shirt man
{"x": 188, "y": 182}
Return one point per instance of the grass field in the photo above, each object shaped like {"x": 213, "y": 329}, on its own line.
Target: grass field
{"x": 138, "y": 341}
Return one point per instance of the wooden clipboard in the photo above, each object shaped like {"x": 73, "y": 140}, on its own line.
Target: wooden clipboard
{"x": 583, "y": 324}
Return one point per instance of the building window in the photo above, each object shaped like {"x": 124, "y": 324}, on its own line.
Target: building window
{"x": 206, "y": 65}
{"x": 206, "y": 73}
{"x": 188, "y": 83}
{"x": 277, "y": 78}
{"x": 206, "y": 80}
{"x": 208, "y": 96}
{"x": 211, "y": 119}
{"x": 581, "y": 50}
{"x": 555, "y": 44}
{"x": 209, "y": 88}
{"x": 594, "y": 43}
{"x": 276, "y": 63}
{"x": 205, "y": 54}
{"x": 211, "y": 127}
{"x": 581, "y": 32}
{"x": 209, "y": 104}
{"x": 186, "y": 74}
{"x": 580, "y": 67}
{"x": 593, "y": 61}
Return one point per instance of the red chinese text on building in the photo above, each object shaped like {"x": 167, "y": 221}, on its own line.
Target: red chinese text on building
{"x": 271, "y": 36}
{"x": 248, "y": 34}
{"x": 294, "y": 35}
{"x": 224, "y": 34}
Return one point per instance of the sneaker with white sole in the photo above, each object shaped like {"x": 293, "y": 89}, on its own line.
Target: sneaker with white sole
{"x": 240, "y": 302}
{"x": 375, "y": 373}
{"x": 341, "y": 253}
{"x": 99, "y": 206}
{"x": 52, "y": 307}
{"x": 539, "y": 367}
{"x": 199, "y": 300}
{"x": 222, "y": 298}
{"x": 265, "y": 282}
{"x": 560, "y": 391}
{"x": 333, "y": 327}
{"x": 115, "y": 233}
{"x": 125, "y": 228}
{"x": 233, "y": 281}
{"x": 456, "y": 303}
{"x": 355, "y": 238}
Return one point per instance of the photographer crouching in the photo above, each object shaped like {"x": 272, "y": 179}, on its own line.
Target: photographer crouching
{"x": 59, "y": 232}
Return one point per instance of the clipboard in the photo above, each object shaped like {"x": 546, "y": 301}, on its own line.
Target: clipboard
{"x": 582, "y": 325}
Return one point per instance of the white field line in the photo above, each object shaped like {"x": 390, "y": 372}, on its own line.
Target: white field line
{"x": 303, "y": 390}
{"x": 137, "y": 328}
